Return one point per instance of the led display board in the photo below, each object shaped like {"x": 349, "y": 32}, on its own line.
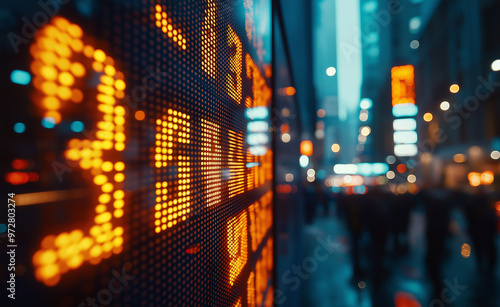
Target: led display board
{"x": 139, "y": 163}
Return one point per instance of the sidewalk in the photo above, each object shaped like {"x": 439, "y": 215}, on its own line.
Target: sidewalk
{"x": 405, "y": 281}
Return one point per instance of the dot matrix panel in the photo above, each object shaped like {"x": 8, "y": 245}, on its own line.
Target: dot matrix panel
{"x": 143, "y": 173}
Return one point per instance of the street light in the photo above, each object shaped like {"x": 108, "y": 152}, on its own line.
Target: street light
{"x": 331, "y": 71}
{"x": 335, "y": 148}
{"x": 454, "y": 88}
{"x": 495, "y": 66}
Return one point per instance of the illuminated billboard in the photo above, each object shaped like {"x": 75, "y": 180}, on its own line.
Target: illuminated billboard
{"x": 404, "y": 109}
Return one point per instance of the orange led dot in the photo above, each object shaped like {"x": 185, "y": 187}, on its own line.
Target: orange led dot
{"x": 119, "y": 177}
{"x": 118, "y": 231}
{"x": 48, "y": 257}
{"x": 51, "y": 103}
{"x": 48, "y": 72}
{"x": 64, "y": 93}
{"x": 63, "y": 50}
{"x": 48, "y": 242}
{"x": 109, "y": 70}
{"x": 119, "y": 166}
{"x": 61, "y": 23}
{"x": 103, "y": 218}
{"x": 75, "y": 30}
{"x": 49, "y": 88}
{"x": 100, "y": 179}
{"x": 49, "y": 271}
{"x": 118, "y": 241}
{"x": 95, "y": 251}
{"x": 118, "y": 204}
{"x": 77, "y": 69}
{"x": 119, "y": 194}
{"x": 104, "y": 198}
{"x": 77, "y": 45}
{"x": 107, "y": 166}
{"x": 119, "y": 110}
{"x": 63, "y": 64}
{"x": 97, "y": 66}
{"x": 65, "y": 78}
{"x": 118, "y": 213}
{"x": 62, "y": 239}
{"x": 48, "y": 57}
{"x": 140, "y": 115}
{"x": 107, "y": 145}
{"x": 107, "y": 187}
{"x": 100, "y": 208}
{"x": 95, "y": 230}
{"x": 76, "y": 96}
{"x": 119, "y": 94}
{"x": 99, "y": 55}
{"x": 120, "y": 137}
{"x": 120, "y": 85}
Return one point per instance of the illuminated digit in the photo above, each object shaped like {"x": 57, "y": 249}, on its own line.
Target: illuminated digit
{"x": 237, "y": 245}
{"x": 173, "y": 199}
{"x": 209, "y": 40}
{"x": 261, "y": 98}
{"x": 236, "y": 163}
{"x": 251, "y": 289}
{"x": 263, "y": 270}
{"x": 261, "y": 92}
{"x": 211, "y": 162}
{"x": 260, "y": 214}
{"x": 165, "y": 24}
{"x": 59, "y": 78}
{"x": 234, "y": 80}
{"x": 252, "y": 172}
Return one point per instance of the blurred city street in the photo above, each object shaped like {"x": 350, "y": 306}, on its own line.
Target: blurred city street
{"x": 405, "y": 282}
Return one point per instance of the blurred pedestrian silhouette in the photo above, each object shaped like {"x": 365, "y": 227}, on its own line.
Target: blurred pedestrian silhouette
{"x": 480, "y": 212}
{"x": 437, "y": 211}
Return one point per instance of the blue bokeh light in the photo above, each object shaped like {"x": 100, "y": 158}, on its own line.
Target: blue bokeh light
{"x": 19, "y": 127}
{"x": 77, "y": 126}
{"x": 20, "y": 77}
{"x": 48, "y": 122}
